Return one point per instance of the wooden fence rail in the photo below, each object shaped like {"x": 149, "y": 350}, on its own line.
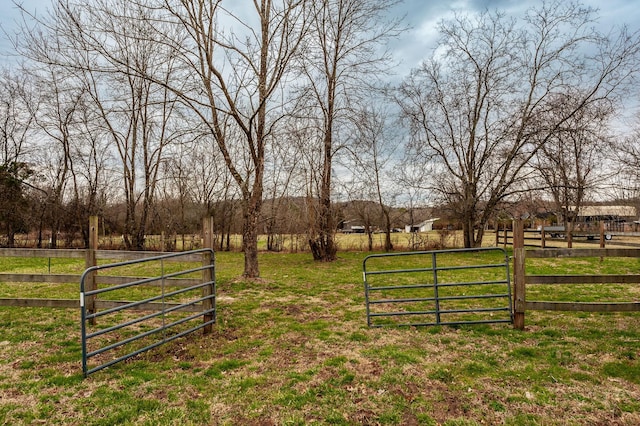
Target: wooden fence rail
{"x": 521, "y": 279}
{"x": 81, "y": 254}
{"x": 541, "y": 237}
{"x": 91, "y": 256}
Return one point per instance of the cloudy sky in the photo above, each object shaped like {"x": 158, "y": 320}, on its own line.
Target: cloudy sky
{"x": 421, "y": 15}
{"x": 424, "y": 15}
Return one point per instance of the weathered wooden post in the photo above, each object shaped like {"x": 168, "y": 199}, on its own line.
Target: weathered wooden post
{"x": 543, "y": 239}
{"x": 518, "y": 275}
{"x": 497, "y": 233}
{"x": 208, "y": 275}
{"x": 602, "y": 243}
{"x": 504, "y": 245}
{"x": 90, "y": 261}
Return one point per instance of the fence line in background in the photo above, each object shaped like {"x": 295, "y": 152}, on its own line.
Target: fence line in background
{"x": 91, "y": 256}
{"x": 521, "y": 279}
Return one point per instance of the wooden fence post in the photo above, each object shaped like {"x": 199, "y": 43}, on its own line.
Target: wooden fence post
{"x": 497, "y": 233}
{"x": 208, "y": 274}
{"x": 602, "y": 243}
{"x": 90, "y": 261}
{"x": 518, "y": 275}
{"x": 506, "y": 235}
{"x": 543, "y": 239}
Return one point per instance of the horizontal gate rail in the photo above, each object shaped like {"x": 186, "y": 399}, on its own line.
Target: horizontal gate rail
{"x": 397, "y": 287}
{"x": 174, "y": 308}
{"x": 146, "y": 281}
{"x": 129, "y": 305}
{"x": 433, "y": 299}
{"x": 137, "y": 337}
{"x": 427, "y": 291}
{"x": 71, "y": 278}
{"x": 144, "y": 349}
{"x": 99, "y": 304}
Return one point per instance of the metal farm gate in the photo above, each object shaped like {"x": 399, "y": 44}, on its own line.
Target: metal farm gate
{"x": 181, "y": 299}
{"x": 443, "y": 287}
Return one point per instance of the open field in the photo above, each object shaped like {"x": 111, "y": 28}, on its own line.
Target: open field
{"x": 287, "y": 242}
{"x": 345, "y": 242}
{"x": 293, "y": 348}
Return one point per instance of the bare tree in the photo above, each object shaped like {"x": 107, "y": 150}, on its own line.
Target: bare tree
{"x": 364, "y": 212}
{"x": 93, "y": 180}
{"x": 235, "y": 76}
{"x": 414, "y": 196}
{"x": 16, "y": 118}
{"x": 179, "y": 205}
{"x": 474, "y": 107}
{"x": 282, "y": 168}
{"x": 97, "y": 45}
{"x": 56, "y": 117}
{"x": 16, "y": 128}
{"x": 371, "y": 149}
{"x": 570, "y": 163}
{"x": 626, "y": 153}
{"x": 341, "y": 62}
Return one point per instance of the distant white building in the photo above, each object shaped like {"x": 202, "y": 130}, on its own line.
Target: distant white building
{"x": 424, "y": 226}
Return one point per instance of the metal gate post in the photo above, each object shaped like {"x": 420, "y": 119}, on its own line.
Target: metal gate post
{"x": 83, "y": 327}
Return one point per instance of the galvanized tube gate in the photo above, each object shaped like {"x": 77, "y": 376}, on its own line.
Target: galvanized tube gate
{"x": 442, "y": 287}
{"x": 120, "y": 328}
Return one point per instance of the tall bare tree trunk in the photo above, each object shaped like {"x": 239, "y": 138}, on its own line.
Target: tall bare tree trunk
{"x": 323, "y": 246}
{"x": 250, "y": 237}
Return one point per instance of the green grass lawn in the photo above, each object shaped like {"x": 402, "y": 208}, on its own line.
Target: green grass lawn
{"x": 294, "y": 348}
